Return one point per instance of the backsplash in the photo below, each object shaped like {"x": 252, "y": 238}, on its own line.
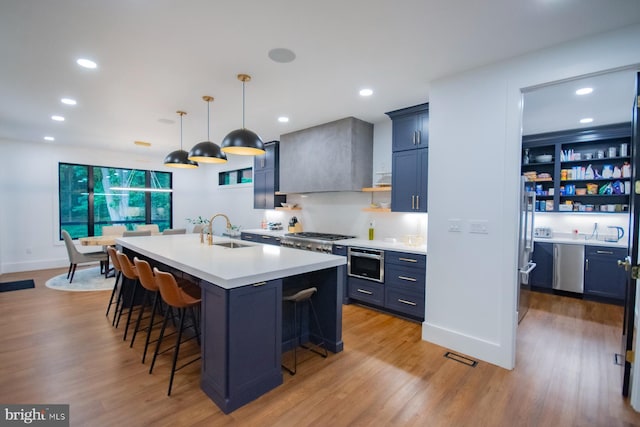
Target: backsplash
{"x": 566, "y": 223}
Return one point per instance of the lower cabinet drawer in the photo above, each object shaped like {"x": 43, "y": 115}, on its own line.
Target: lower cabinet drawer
{"x": 366, "y": 290}
{"x": 405, "y": 302}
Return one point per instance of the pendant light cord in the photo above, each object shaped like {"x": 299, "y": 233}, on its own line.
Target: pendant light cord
{"x": 208, "y": 102}
{"x": 243, "y": 104}
{"x": 181, "y": 132}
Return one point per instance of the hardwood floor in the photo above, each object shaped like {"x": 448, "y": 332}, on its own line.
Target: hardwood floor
{"x": 58, "y": 347}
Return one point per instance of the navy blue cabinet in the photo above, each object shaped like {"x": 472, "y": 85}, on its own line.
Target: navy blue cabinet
{"x": 602, "y": 275}
{"x": 410, "y": 158}
{"x": 410, "y": 127}
{"x": 342, "y": 251}
{"x": 409, "y": 180}
{"x": 404, "y": 283}
{"x": 260, "y": 238}
{"x": 542, "y": 275}
{"x": 266, "y": 178}
{"x": 241, "y": 342}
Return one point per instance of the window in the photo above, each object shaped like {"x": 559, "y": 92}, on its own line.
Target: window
{"x": 94, "y": 196}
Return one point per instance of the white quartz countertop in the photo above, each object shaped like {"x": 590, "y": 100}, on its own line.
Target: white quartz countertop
{"x": 229, "y": 267}
{"x": 581, "y": 240}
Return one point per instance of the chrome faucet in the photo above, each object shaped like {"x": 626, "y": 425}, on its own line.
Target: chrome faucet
{"x": 210, "y": 228}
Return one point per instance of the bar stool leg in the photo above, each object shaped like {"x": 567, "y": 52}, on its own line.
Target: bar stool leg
{"x": 145, "y": 297}
{"x": 176, "y": 350}
{"x": 153, "y": 313}
{"x": 113, "y": 293}
{"x": 133, "y": 299}
{"x": 155, "y": 353}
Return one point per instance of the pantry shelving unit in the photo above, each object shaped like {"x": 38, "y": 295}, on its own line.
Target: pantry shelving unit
{"x": 572, "y": 151}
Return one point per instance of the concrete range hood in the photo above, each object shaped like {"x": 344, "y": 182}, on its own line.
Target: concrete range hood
{"x": 335, "y": 156}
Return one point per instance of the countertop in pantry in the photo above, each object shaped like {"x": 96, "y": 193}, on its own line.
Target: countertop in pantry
{"x": 581, "y": 240}
{"x": 229, "y": 267}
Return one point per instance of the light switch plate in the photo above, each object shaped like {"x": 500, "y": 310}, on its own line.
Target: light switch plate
{"x": 479, "y": 226}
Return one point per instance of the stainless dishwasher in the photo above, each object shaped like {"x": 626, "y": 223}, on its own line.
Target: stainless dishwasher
{"x": 568, "y": 267}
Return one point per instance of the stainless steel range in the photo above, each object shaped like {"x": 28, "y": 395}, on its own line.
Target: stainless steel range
{"x": 317, "y": 242}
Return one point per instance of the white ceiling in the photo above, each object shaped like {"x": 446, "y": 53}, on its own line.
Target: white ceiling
{"x": 157, "y": 56}
{"x": 558, "y": 107}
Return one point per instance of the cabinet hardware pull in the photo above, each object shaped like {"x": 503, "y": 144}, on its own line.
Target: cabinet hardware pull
{"x": 419, "y": 137}
{"x": 362, "y": 291}
{"x": 410, "y": 279}
{"x": 404, "y": 301}
{"x": 418, "y": 202}
{"x": 266, "y": 237}
{"x": 255, "y": 285}
{"x": 248, "y": 237}
{"x": 586, "y": 262}
{"x": 262, "y": 162}
{"x": 414, "y": 138}
{"x": 339, "y": 247}
{"x": 605, "y": 252}
{"x": 413, "y": 202}
{"x": 407, "y": 259}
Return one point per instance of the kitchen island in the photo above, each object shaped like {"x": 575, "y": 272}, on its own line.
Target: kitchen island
{"x": 242, "y": 326}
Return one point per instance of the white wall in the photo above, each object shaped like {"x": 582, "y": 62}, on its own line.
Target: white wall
{"x": 474, "y": 142}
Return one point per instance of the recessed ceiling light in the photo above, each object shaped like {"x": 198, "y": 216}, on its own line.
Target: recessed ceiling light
{"x": 282, "y": 55}
{"x": 366, "y": 92}
{"x": 584, "y": 91}
{"x": 586, "y": 120}
{"x": 283, "y": 119}
{"x": 49, "y": 138}
{"x": 57, "y": 118}
{"x": 68, "y": 101}
{"x": 86, "y": 63}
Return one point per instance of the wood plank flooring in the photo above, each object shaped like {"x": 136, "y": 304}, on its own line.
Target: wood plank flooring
{"x": 58, "y": 347}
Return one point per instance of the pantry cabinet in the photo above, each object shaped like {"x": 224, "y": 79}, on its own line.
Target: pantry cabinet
{"x": 542, "y": 275}
{"x": 581, "y": 170}
{"x": 266, "y": 178}
{"x": 602, "y": 275}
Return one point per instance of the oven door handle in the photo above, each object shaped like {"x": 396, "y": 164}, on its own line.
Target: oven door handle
{"x": 364, "y": 255}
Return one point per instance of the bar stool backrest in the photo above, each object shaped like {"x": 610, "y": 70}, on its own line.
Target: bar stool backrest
{"x": 171, "y": 292}
{"x": 114, "y": 258}
{"x": 128, "y": 269}
{"x": 145, "y": 274}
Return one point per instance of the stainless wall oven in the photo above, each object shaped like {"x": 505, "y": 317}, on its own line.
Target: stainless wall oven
{"x": 366, "y": 264}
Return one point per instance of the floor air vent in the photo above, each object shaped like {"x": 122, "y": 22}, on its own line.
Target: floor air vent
{"x": 461, "y": 359}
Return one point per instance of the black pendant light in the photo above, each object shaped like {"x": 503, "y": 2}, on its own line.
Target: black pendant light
{"x": 179, "y": 158}
{"x": 207, "y": 151}
{"x": 243, "y": 141}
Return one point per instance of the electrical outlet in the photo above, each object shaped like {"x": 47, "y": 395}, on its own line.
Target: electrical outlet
{"x": 479, "y": 226}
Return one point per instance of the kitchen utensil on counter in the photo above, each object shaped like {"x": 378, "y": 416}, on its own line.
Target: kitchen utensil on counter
{"x": 616, "y": 235}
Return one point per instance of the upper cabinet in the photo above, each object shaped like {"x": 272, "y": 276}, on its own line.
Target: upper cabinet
{"x": 410, "y": 158}
{"x": 335, "y": 156}
{"x": 580, "y": 170}
{"x": 266, "y": 178}
{"x": 410, "y": 127}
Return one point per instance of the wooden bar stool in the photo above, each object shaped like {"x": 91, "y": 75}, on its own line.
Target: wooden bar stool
{"x": 130, "y": 272}
{"x": 303, "y": 297}
{"x": 148, "y": 282}
{"x": 116, "y": 266}
{"x": 177, "y": 298}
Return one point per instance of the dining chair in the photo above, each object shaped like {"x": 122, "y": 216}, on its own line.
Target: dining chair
{"x": 153, "y": 228}
{"x": 76, "y": 257}
{"x": 113, "y": 230}
{"x": 174, "y": 231}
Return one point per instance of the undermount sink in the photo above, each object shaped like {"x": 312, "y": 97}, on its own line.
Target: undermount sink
{"x": 231, "y": 245}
